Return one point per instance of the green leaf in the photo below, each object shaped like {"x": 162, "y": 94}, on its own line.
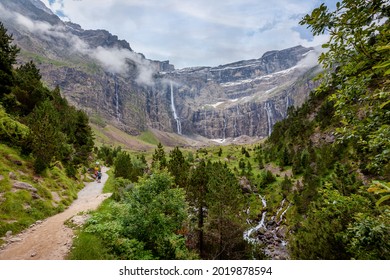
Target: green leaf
{"x": 383, "y": 48}
{"x": 382, "y": 199}
{"x": 387, "y": 102}
{"x": 382, "y": 65}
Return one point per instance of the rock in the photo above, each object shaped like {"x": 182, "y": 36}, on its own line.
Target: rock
{"x": 21, "y": 173}
{"x": 33, "y": 254}
{"x": 17, "y": 162}
{"x": 271, "y": 223}
{"x": 35, "y": 196}
{"x": 1, "y": 177}
{"x": 8, "y": 233}
{"x": 15, "y": 239}
{"x": 14, "y": 161}
{"x": 24, "y": 186}
{"x": 55, "y": 196}
{"x": 245, "y": 185}
{"x": 79, "y": 220}
{"x": 268, "y": 235}
{"x": 262, "y": 231}
{"x": 12, "y": 175}
{"x": 281, "y": 231}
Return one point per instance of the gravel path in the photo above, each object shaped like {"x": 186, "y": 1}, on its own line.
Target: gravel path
{"x": 51, "y": 239}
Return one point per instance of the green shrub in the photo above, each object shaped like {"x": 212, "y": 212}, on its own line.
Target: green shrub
{"x": 11, "y": 130}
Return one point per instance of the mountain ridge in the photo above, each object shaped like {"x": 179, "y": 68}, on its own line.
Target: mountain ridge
{"x": 102, "y": 75}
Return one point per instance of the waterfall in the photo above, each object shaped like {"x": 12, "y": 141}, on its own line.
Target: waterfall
{"x": 284, "y": 212}
{"x": 248, "y": 233}
{"x": 274, "y": 242}
{"x": 261, "y": 224}
{"x": 263, "y": 201}
{"x": 280, "y": 208}
{"x": 288, "y": 104}
{"x": 178, "y": 123}
{"x": 270, "y": 117}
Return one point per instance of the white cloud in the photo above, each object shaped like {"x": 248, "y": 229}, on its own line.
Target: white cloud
{"x": 113, "y": 60}
{"x": 192, "y": 33}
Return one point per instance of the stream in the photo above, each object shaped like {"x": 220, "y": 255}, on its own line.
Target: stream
{"x": 270, "y": 232}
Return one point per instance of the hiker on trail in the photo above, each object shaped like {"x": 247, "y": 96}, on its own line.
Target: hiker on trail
{"x": 99, "y": 176}
{"x": 96, "y": 170}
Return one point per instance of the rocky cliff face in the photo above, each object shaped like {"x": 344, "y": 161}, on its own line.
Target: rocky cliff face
{"x": 102, "y": 75}
{"x": 242, "y": 98}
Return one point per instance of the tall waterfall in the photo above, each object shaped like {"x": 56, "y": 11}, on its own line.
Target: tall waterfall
{"x": 175, "y": 116}
{"x": 288, "y": 104}
{"x": 270, "y": 117}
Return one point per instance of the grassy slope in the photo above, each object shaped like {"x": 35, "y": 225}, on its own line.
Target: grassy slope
{"x": 18, "y": 208}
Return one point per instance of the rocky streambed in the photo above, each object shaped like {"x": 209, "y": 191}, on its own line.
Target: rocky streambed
{"x": 270, "y": 231}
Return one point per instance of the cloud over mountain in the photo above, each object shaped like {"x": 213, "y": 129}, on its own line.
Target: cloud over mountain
{"x": 114, "y": 60}
{"x": 196, "y": 33}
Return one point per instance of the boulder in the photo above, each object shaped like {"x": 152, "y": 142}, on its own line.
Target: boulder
{"x": 24, "y": 186}
{"x": 245, "y": 185}
{"x": 12, "y": 175}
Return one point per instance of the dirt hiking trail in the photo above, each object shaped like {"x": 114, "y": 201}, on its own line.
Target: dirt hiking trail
{"x": 51, "y": 239}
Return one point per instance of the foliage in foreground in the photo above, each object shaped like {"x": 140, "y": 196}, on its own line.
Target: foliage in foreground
{"x": 338, "y": 142}
{"x": 144, "y": 223}
{"x": 32, "y": 116}
{"x": 37, "y": 147}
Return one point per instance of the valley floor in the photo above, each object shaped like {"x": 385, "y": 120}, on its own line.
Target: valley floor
{"x": 51, "y": 239}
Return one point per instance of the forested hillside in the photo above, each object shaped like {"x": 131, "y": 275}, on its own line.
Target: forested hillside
{"x": 43, "y": 141}
{"x": 338, "y": 143}
{"x": 318, "y": 187}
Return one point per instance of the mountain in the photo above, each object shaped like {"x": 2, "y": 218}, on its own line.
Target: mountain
{"x": 102, "y": 75}
{"x": 241, "y": 98}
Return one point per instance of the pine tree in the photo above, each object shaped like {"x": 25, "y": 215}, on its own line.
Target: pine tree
{"x": 84, "y": 142}
{"x": 224, "y": 225}
{"x": 178, "y": 167}
{"x": 28, "y": 88}
{"x": 159, "y": 158}
{"x": 196, "y": 195}
{"x": 8, "y": 53}
{"x": 123, "y": 166}
{"x": 45, "y": 136}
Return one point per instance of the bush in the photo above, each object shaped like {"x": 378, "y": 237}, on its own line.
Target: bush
{"x": 11, "y": 130}
{"x": 266, "y": 178}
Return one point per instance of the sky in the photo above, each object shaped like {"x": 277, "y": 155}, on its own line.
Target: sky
{"x": 192, "y": 33}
